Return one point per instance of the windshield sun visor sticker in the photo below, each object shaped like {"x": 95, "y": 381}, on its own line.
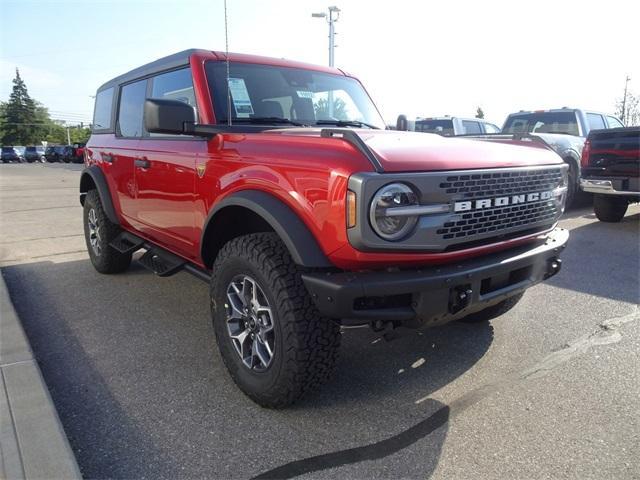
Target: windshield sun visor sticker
{"x": 240, "y": 96}
{"x": 305, "y": 94}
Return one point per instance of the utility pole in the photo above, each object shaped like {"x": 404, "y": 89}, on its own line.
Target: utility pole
{"x": 332, "y": 18}
{"x": 624, "y": 101}
{"x": 68, "y": 137}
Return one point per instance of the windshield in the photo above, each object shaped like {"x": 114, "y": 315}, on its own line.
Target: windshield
{"x": 542, "y": 122}
{"x": 297, "y": 95}
{"x": 443, "y": 127}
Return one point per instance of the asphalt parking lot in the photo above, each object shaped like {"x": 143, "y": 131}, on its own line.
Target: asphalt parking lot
{"x": 549, "y": 390}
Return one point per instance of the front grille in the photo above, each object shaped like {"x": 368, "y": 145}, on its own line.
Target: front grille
{"x": 484, "y": 185}
{"x": 496, "y": 220}
{"x": 476, "y": 207}
{"x": 500, "y": 218}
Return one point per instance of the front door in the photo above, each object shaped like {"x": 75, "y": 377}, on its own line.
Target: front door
{"x": 165, "y": 174}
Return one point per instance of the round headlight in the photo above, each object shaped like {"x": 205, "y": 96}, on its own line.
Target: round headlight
{"x": 383, "y": 221}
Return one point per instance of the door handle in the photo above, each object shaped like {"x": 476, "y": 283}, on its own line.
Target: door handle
{"x": 107, "y": 157}
{"x": 142, "y": 163}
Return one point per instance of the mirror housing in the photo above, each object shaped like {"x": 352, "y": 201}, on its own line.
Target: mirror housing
{"x": 167, "y": 116}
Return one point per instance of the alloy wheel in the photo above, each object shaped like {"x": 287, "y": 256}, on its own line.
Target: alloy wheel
{"x": 94, "y": 232}
{"x": 250, "y": 323}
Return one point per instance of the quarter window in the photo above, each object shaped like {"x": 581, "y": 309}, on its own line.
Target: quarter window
{"x": 491, "y": 128}
{"x": 614, "y": 122}
{"x": 132, "y": 99}
{"x": 102, "y": 110}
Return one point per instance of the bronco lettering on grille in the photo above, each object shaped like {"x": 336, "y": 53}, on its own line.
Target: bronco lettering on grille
{"x": 501, "y": 201}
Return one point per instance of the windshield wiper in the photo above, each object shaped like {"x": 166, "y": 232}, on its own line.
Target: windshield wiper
{"x": 266, "y": 120}
{"x": 346, "y": 123}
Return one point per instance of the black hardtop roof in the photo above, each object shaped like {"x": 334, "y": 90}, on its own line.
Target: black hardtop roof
{"x": 165, "y": 63}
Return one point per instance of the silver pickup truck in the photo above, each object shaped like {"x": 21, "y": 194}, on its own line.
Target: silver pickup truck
{"x": 564, "y": 130}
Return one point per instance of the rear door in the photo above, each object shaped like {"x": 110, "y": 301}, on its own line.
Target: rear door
{"x": 165, "y": 173}
{"x": 124, "y": 150}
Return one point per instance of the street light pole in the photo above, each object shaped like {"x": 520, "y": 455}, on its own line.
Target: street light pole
{"x": 332, "y": 18}
{"x": 624, "y": 100}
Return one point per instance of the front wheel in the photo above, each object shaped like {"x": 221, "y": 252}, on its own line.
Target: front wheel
{"x": 572, "y": 183}
{"x": 609, "y": 208}
{"x": 271, "y": 337}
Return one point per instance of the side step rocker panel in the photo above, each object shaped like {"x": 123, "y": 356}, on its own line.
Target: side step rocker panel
{"x": 160, "y": 261}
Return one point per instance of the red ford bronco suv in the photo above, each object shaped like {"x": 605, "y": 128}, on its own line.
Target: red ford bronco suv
{"x": 275, "y": 182}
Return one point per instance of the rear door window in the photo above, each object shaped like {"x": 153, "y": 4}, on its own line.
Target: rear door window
{"x": 132, "y": 97}
{"x": 471, "y": 127}
{"x": 595, "y": 121}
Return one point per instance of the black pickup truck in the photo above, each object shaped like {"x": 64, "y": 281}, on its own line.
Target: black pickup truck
{"x": 611, "y": 171}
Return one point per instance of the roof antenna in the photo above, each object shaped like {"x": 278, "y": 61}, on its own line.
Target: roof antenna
{"x": 226, "y": 41}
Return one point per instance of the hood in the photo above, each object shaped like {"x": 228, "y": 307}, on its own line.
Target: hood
{"x": 419, "y": 152}
{"x": 415, "y": 151}
{"x": 561, "y": 143}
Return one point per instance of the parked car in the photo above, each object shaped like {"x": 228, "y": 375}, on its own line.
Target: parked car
{"x": 450, "y": 126}
{"x": 34, "y": 154}
{"x": 301, "y": 222}
{"x": 564, "y": 129}
{"x": 78, "y": 153}
{"x": 60, "y": 153}
{"x": 611, "y": 171}
{"x": 11, "y": 155}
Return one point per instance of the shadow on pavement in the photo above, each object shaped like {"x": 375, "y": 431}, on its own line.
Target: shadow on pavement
{"x": 101, "y": 432}
{"x": 604, "y": 260}
{"x": 133, "y": 370}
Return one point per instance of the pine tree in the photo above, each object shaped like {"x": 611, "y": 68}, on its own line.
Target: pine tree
{"x": 20, "y": 116}
{"x": 479, "y": 113}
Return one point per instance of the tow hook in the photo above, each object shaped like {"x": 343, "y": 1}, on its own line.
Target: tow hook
{"x": 459, "y": 298}
{"x": 553, "y": 266}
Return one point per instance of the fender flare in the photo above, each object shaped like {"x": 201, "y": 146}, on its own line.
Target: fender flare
{"x": 93, "y": 176}
{"x": 300, "y": 242}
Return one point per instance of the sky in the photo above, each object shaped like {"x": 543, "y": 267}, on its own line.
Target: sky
{"x": 419, "y": 58}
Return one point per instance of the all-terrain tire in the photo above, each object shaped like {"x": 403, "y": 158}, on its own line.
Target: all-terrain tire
{"x": 306, "y": 344}
{"x": 493, "y": 311}
{"x": 609, "y": 208}
{"x": 104, "y": 258}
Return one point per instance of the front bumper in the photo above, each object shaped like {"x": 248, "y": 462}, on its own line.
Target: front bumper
{"x": 621, "y": 186}
{"x": 435, "y": 295}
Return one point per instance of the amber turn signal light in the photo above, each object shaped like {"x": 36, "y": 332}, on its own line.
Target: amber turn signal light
{"x": 351, "y": 209}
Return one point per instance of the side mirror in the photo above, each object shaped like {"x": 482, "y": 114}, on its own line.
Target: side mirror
{"x": 167, "y": 116}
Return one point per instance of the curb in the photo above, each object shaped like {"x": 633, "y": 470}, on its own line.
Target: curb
{"x": 32, "y": 441}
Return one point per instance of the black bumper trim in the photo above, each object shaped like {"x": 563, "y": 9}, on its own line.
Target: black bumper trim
{"x": 334, "y": 293}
